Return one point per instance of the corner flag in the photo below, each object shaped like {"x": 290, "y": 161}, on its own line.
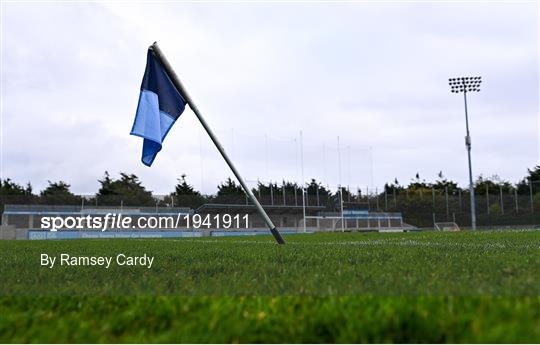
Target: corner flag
{"x": 160, "y": 105}
{"x": 163, "y": 99}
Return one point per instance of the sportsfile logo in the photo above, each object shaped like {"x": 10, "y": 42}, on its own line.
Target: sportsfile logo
{"x": 118, "y": 221}
{"x": 103, "y": 223}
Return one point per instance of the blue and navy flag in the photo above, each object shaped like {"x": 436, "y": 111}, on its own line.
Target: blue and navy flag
{"x": 160, "y": 105}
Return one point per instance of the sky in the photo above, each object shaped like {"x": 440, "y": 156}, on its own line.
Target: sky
{"x": 278, "y": 83}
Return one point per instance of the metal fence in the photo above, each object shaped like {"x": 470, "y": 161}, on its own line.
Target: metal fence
{"x": 424, "y": 208}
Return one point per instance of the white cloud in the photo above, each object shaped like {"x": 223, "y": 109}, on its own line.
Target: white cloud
{"x": 373, "y": 74}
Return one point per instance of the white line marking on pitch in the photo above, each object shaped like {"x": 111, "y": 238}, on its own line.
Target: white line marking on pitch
{"x": 402, "y": 243}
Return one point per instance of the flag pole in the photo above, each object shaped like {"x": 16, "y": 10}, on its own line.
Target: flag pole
{"x": 180, "y": 87}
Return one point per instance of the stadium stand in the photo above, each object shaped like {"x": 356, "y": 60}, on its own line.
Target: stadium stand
{"x": 25, "y": 221}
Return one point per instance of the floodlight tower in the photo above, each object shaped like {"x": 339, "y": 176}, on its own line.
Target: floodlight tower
{"x": 467, "y": 84}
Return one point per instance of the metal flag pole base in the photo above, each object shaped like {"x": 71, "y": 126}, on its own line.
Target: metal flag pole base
{"x": 277, "y": 235}
{"x": 178, "y": 84}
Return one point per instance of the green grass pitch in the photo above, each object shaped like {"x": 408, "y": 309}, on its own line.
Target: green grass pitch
{"x": 342, "y": 287}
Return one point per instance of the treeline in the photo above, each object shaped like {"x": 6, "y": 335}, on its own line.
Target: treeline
{"x": 494, "y": 184}
{"x": 420, "y": 201}
{"x": 128, "y": 190}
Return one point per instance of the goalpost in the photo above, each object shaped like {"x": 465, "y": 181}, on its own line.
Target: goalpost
{"x": 357, "y": 220}
{"x": 447, "y": 226}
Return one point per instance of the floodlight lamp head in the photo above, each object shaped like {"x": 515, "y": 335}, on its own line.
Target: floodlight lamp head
{"x": 464, "y": 84}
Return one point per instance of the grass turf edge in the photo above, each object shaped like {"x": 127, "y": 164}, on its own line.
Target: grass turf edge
{"x": 351, "y": 319}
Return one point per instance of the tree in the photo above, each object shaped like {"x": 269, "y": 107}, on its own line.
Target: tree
{"x": 419, "y": 186}
{"x": 106, "y": 185}
{"x": 347, "y": 195}
{"x": 13, "y": 193}
{"x": 290, "y": 187}
{"x": 128, "y": 189}
{"x": 183, "y": 188}
{"x": 313, "y": 186}
{"x": 185, "y": 195}
{"x": 56, "y": 188}
{"x": 442, "y": 184}
{"x": 533, "y": 175}
{"x": 229, "y": 187}
{"x": 390, "y": 188}
{"x": 58, "y": 193}
{"x": 265, "y": 189}
{"x": 229, "y": 191}
{"x": 8, "y": 187}
{"x": 491, "y": 184}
